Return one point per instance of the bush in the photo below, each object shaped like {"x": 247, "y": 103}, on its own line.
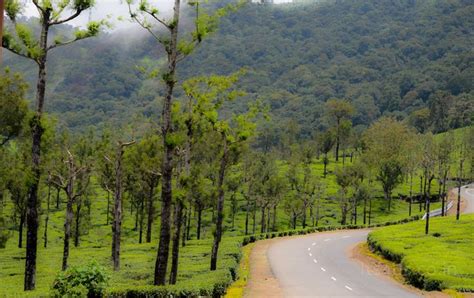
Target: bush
{"x": 87, "y": 281}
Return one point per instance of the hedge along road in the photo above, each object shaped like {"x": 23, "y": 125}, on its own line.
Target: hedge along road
{"x": 319, "y": 266}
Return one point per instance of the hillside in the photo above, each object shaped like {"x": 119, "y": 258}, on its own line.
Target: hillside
{"x": 387, "y": 57}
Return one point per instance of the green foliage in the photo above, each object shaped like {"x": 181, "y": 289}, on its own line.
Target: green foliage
{"x": 435, "y": 261}
{"x": 89, "y": 280}
{"x": 13, "y": 106}
{"x": 315, "y": 52}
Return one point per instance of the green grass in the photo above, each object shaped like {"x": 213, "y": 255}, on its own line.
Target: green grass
{"x": 443, "y": 259}
{"x": 138, "y": 259}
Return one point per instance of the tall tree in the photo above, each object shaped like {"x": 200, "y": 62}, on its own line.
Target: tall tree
{"x": 386, "y": 142}
{"x": 428, "y": 165}
{"x": 340, "y": 113}
{"x": 177, "y": 47}
{"x": 67, "y": 177}
{"x": 21, "y": 40}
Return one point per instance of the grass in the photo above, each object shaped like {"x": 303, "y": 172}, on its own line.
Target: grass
{"x": 237, "y": 288}
{"x": 138, "y": 259}
{"x": 443, "y": 259}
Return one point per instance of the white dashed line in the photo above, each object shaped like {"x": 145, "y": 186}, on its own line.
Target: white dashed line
{"x": 315, "y": 261}
{"x": 333, "y": 278}
{"x": 314, "y": 243}
{"x": 326, "y": 240}
{"x": 309, "y": 248}
{"x": 323, "y": 269}
{"x": 310, "y": 254}
{"x": 349, "y": 288}
{"x": 346, "y": 237}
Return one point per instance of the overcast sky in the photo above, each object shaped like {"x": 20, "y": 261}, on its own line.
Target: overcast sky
{"x": 114, "y": 9}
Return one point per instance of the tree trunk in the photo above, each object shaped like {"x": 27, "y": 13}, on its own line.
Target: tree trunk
{"x": 176, "y": 237}
{"x": 220, "y": 206}
{"x": 254, "y": 220}
{"x": 444, "y": 196}
{"x": 355, "y": 210}
{"x": 67, "y": 225}
{"x": 20, "y": 230}
{"x": 161, "y": 264}
{"x": 274, "y": 229}
{"x": 411, "y": 194}
{"x": 117, "y": 219}
{"x": 428, "y": 201}
{"x": 370, "y": 211}
{"x": 142, "y": 218}
{"x": 365, "y": 210}
{"x": 32, "y": 217}
{"x": 58, "y": 197}
{"x": 198, "y": 231}
{"x": 185, "y": 223}
{"x": 78, "y": 223}
{"x": 458, "y": 207}
{"x": 46, "y": 220}
{"x": 247, "y": 211}
{"x": 304, "y": 218}
{"x": 151, "y": 214}
{"x": 262, "y": 220}
{"x": 108, "y": 208}
{"x": 188, "y": 226}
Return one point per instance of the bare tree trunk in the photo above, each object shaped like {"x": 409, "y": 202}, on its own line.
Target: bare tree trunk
{"x": 108, "y": 208}
{"x": 78, "y": 223}
{"x": 117, "y": 220}
{"x": 411, "y": 194}
{"x": 151, "y": 214}
{"x": 20, "y": 230}
{"x": 458, "y": 207}
{"x": 365, "y": 210}
{"x": 262, "y": 220}
{"x": 175, "y": 251}
{"x": 67, "y": 226}
{"x": 199, "y": 222}
{"x": 161, "y": 264}
{"x": 274, "y": 218}
{"x": 445, "y": 177}
{"x": 46, "y": 220}
{"x": 428, "y": 201}
{"x": 188, "y": 226}
{"x": 370, "y": 211}
{"x": 185, "y": 223}
{"x": 247, "y": 218}
{"x": 254, "y": 221}
{"x": 220, "y": 206}
{"x": 142, "y": 218}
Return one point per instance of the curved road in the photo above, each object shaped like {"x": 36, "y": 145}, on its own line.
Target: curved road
{"x": 318, "y": 265}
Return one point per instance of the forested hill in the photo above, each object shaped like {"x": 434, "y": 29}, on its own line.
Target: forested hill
{"x": 409, "y": 58}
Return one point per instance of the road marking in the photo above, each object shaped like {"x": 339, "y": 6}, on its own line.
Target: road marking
{"x": 346, "y": 237}
{"x": 333, "y": 278}
{"x": 315, "y": 261}
{"x": 314, "y": 243}
{"x": 323, "y": 269}
{"x": 309, "y": 248}
{"x": 325, "y": 240}
{"x": 310, "y": 254}
{"x": 349, "y": 288}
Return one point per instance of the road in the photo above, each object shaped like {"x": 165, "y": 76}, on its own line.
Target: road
{"x": 319, "y": 266}
{"x": 467, "y": 193}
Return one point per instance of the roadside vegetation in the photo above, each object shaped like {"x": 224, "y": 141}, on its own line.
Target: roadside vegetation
{"x": 437, "y": 261}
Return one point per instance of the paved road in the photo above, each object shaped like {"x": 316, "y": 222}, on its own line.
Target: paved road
{"x": 318, "y": 266}
{"x": 467, "y": 193}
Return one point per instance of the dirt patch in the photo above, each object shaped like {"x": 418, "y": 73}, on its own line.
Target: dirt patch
{"x": 377, "y": 265}
{"x": 262, "y": 282}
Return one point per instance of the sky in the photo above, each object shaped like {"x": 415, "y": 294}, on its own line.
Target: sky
{"x": 114, "y": 9}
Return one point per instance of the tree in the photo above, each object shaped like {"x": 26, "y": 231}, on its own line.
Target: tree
{"x": 386, "y": 142}
{"x": 21, "y": 41}
{"x": 428, "y": 164}
{"x": 117, "y": 162}
{"x": 229, "y": 135}
{"x": 340, "y": 113}
{"x": 445, "y": 148}
{"x": 13, "y": 106}
{"x": 326, "y": 144}
{"x": 177, "y": 48}
{"x": 67, "y": 177}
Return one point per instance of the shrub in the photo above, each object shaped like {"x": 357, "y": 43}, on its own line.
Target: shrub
{"x": 90, "y": 280}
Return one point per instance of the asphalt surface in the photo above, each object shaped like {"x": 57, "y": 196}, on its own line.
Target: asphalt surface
{"x": 467, "y": 192}
{"x": 319, "y": 265}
